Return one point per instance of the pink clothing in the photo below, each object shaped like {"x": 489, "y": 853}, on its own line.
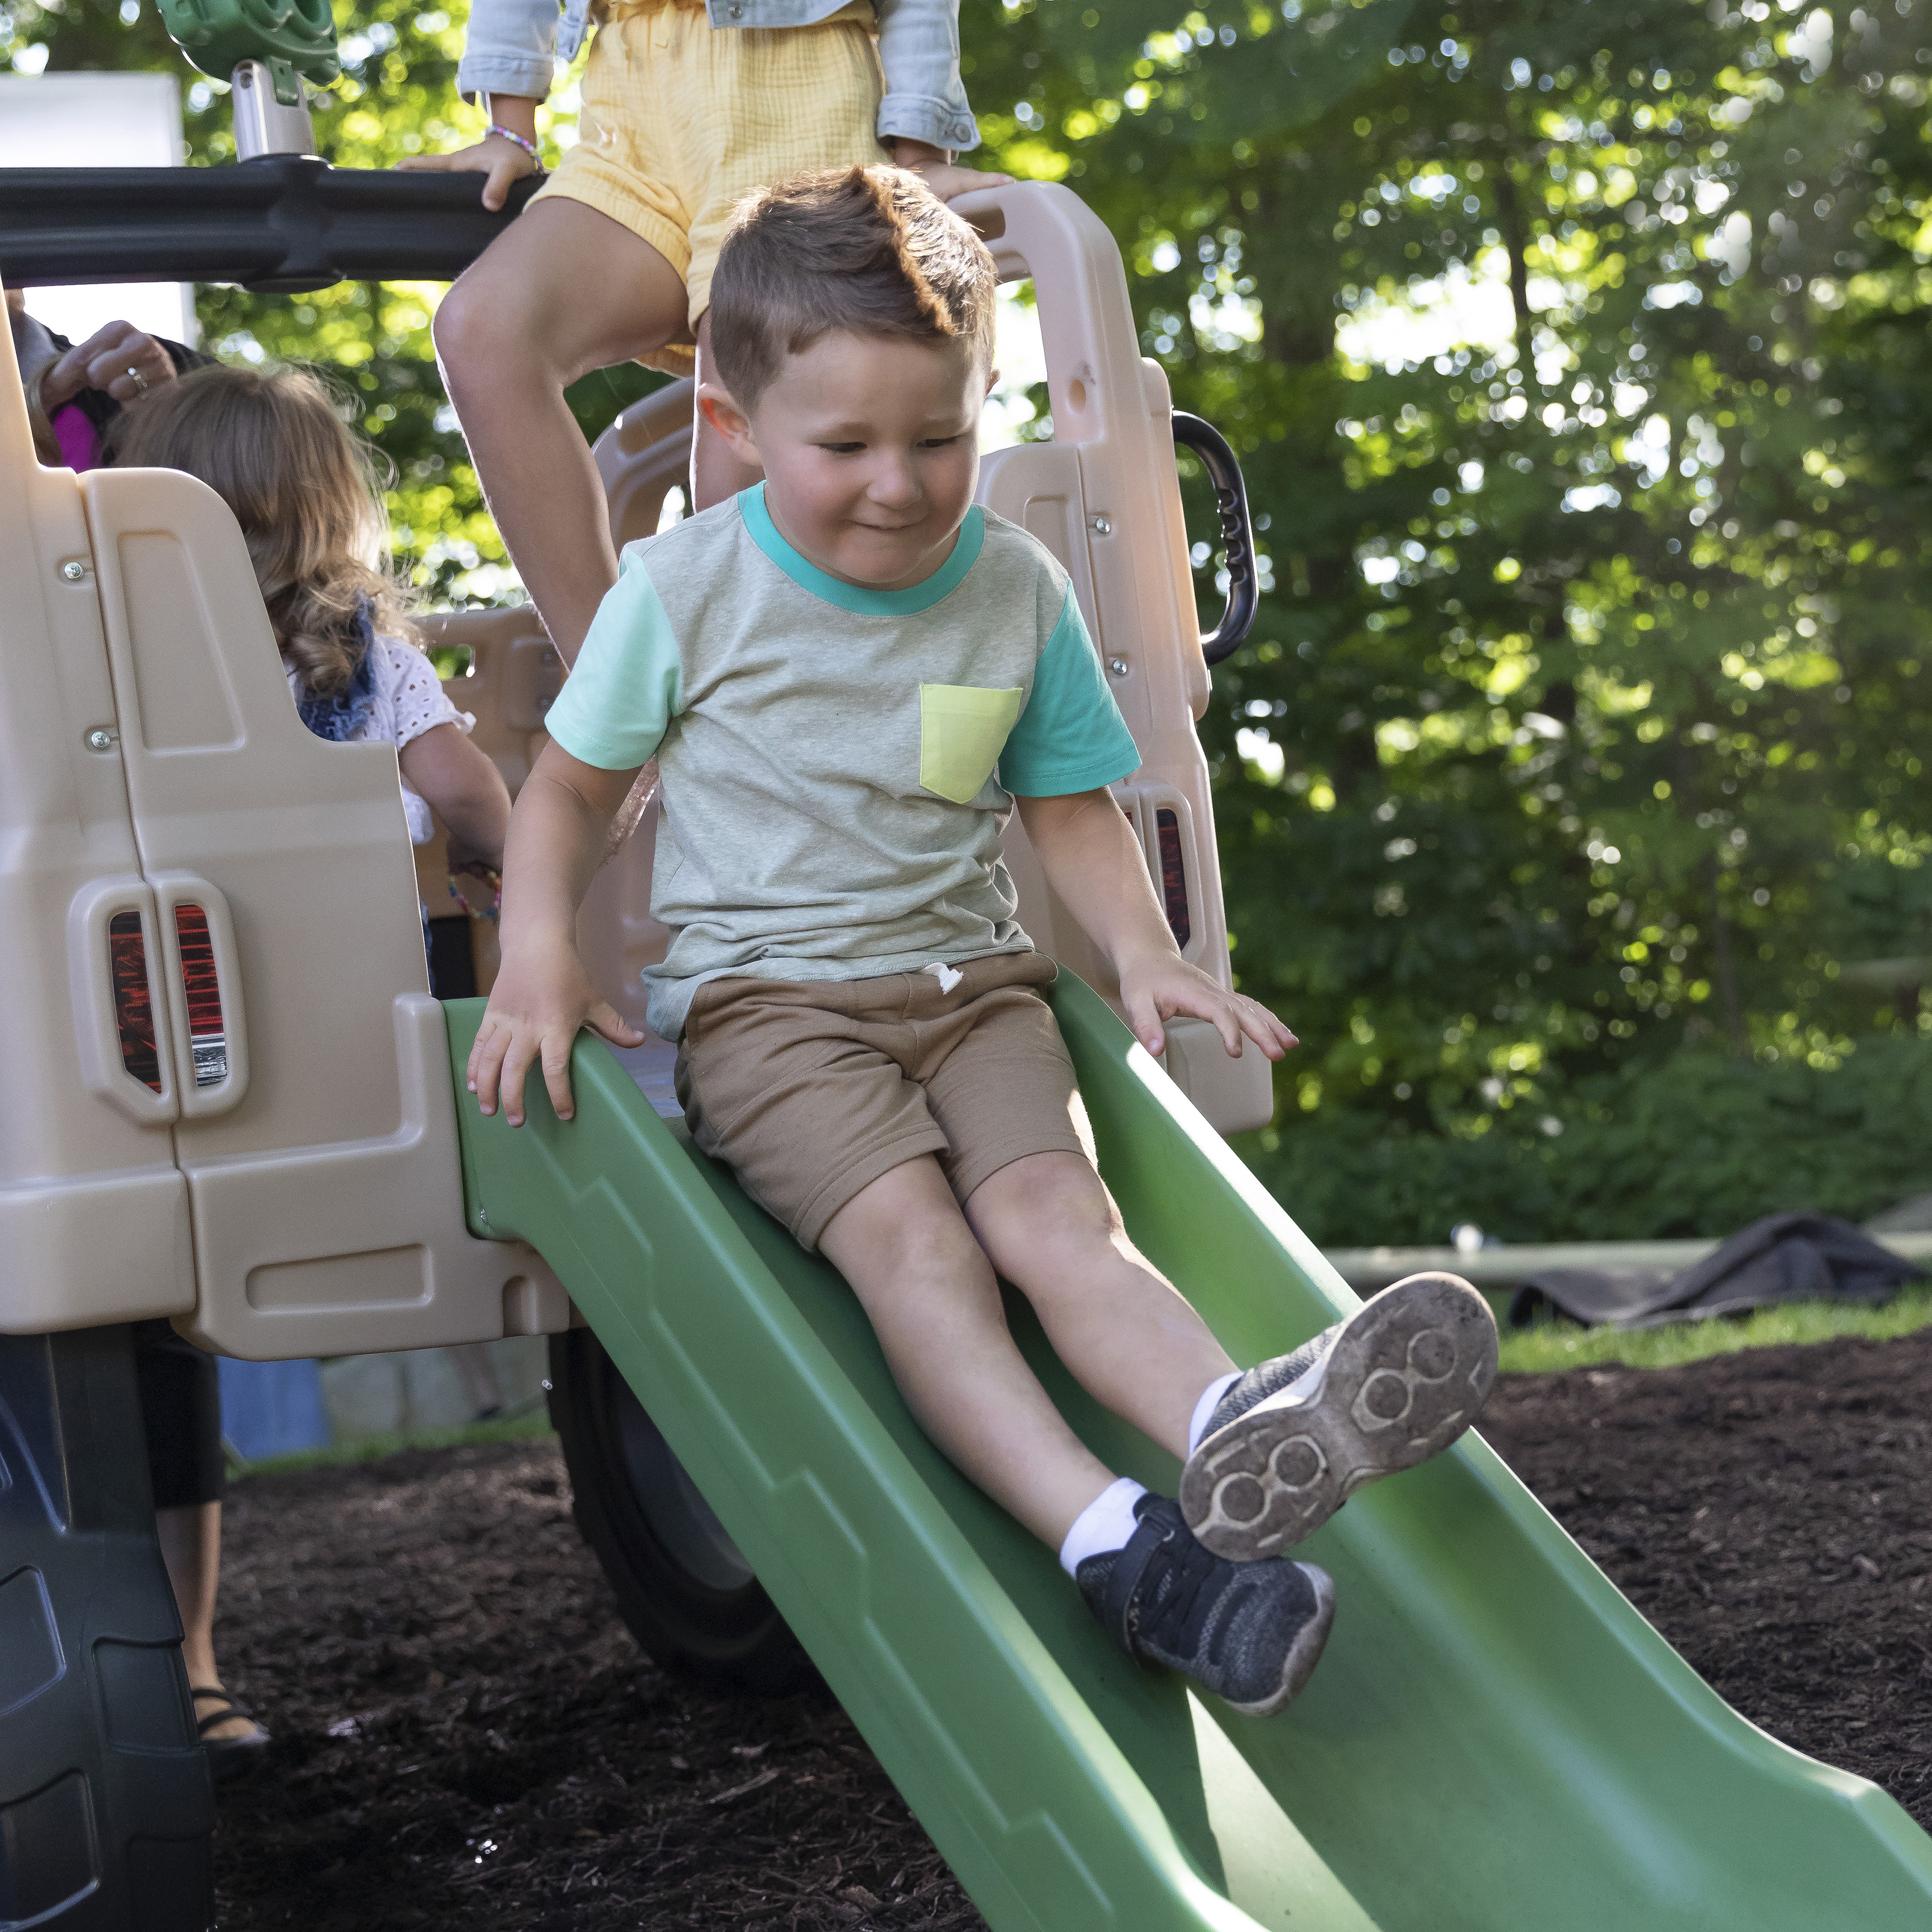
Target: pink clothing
{"x": 80, "y": 441}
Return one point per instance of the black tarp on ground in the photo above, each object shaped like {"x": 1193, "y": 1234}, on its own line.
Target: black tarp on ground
{"x": 1795, "y": 1257}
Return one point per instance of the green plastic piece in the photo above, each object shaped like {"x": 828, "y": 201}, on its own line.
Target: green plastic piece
{"x": 1495, "y": 1741}
{"x": 291, "y": 36}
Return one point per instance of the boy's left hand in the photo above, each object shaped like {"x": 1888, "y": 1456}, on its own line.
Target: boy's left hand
{"x": 945, "y": 178}
{"x": 1156, "y": 986}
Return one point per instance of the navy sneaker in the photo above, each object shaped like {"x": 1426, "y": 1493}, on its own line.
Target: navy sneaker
{"x": 1250, "y": 1633}
{"x": 1293, "y": 1439}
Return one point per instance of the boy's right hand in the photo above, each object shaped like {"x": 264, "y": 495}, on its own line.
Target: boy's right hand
{"x": 541, "y": 997}
{"x": 502, "y": 161}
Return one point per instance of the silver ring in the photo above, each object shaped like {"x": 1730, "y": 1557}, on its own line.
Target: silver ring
{"x": 140, "y": 380}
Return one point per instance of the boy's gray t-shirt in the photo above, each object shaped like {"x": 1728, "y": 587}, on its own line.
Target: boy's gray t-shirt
{"x": 837, "y": 763}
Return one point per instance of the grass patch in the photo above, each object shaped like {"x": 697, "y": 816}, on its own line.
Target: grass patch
{"x": 373, "y": 1448}
{"x": 1562, "y": 1345}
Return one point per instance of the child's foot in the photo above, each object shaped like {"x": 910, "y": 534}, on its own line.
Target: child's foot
{"x": 1290, "y": 1441}
{"x": 1251, "y": 1634}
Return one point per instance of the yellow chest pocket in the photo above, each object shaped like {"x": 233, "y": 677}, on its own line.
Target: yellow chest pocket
{"x": 962, "y": 731}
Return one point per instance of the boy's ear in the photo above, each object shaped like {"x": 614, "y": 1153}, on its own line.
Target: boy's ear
{"x": 715, "y": 405}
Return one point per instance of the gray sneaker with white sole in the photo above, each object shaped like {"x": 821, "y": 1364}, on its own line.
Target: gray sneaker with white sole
{"x": 1251, "y": 1633}
{"x": 1393, "y": 1385}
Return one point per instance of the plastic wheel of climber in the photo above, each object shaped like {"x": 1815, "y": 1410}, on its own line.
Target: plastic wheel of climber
{"x": 1495, "y": 1738}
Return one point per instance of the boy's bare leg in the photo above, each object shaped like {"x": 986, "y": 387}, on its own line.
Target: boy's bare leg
{"x": 1050, "y": 1228}
{"x": 562, "y": 291}
{"x": 930, "y": 1292}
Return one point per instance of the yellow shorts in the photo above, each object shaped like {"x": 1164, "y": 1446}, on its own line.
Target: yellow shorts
{"x": 681, "y": 120}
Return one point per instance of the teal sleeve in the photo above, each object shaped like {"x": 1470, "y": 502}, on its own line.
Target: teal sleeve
{"x": 1071, "y": 736}
{"x": 619, "y": 701}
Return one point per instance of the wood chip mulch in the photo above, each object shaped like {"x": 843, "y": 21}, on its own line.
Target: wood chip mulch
{"x": 465, "y": 1734}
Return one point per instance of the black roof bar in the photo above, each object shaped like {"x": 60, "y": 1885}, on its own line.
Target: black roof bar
{"x": 280, "y": 224}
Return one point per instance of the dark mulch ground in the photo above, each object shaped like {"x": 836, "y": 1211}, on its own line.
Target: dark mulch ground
{"x": 1770, "y": 1512}
{"x": 466, "y": 1734}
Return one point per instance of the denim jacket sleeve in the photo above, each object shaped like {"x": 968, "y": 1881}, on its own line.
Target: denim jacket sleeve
{"x": 511, "y": 48}
{"x": 512, "y": 44}
{"x": 924, "y": 97}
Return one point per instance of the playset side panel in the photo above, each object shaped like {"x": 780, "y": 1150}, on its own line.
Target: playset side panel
{"x": 1105, "y": 497}
{"x": 94, "y": 1223}
{"x": 317, "y": 1131}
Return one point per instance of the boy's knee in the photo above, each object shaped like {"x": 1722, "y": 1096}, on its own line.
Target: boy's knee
{"x": 1046, "y": 1213}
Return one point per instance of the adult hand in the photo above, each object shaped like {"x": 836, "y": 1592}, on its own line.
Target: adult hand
{"x": 945, "y": 178}
{"x": 118, "y": 358}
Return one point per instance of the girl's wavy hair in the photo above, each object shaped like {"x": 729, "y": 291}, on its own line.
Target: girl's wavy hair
{"x": 272, "y": 444}
{"x": 870, "y": 250}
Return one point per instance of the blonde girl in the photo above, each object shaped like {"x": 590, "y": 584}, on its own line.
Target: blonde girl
{"x": 273, "y": 445}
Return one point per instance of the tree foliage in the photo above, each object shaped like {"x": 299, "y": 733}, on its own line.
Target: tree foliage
{"x": 1573, "y": 803}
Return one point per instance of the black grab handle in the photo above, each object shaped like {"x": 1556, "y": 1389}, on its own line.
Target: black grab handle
{"x": 1237, "y": 533}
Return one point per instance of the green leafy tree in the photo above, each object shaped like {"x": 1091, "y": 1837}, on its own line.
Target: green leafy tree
{"x": 1576, "y": 363}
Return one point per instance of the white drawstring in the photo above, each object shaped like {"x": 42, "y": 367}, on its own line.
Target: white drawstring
{"x": 948, "y": 976}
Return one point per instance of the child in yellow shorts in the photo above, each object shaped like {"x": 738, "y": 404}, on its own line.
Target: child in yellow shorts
{"x": 686, "y": 109}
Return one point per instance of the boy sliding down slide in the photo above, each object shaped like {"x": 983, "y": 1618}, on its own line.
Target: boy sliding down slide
{"x": 849, "y": 675}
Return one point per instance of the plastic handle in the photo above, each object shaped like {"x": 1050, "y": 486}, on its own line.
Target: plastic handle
{"x": 1237, "y": 533}
{"x": 104, "y": 1063}
{"x": 222, "y": 1051}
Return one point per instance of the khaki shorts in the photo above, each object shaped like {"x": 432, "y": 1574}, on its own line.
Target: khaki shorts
{"x": 681, "y": 120}
{"x": 810, "y": 1091}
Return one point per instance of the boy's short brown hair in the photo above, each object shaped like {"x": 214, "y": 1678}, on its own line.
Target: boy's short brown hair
{"x": 870, "y": 250}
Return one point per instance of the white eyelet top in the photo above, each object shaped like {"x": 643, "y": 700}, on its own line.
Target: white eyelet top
{"x": 409, "y": 701}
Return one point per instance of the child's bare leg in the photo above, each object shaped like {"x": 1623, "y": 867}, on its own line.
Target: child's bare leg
{"x": 929, "y": 1291}
{"x": 562, "y": 291}
{"x": 1251, "y": 1633}
{"x": 191, "y": 1539}
{"x": 1051, "y": 1229}
{"x": 716, "y": 472}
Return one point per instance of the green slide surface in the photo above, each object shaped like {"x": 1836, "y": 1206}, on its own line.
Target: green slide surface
{"x": 1495, "y": 1740}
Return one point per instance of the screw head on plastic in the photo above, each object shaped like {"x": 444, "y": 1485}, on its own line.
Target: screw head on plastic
{"x": 100, "y": 739}
{"x": 73, "y": 570}
{"x": 1118, "y": 666}
{"x": 1101, "y": 526}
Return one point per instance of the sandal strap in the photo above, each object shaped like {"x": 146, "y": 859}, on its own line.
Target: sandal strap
{"x": 236, "y": 1708}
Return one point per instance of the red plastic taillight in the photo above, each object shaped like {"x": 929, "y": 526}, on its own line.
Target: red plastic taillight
{"x": 208, "y": 1038}
{"x": 133, "y": 1009}
{"x": 1173, "y": 874}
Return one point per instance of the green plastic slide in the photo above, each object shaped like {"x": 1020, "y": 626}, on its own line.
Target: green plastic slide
{"x": 1495, "y": 1739}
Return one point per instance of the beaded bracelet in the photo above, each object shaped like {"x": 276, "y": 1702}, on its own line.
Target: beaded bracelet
{"x": 510, "y": 134}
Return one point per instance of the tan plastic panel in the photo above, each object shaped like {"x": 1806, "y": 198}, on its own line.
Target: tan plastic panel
{"x": 322, "y": 1168}
{"x": 360, "y": 1247}
{"x": 1105, "y": 497}
{"x": 643, "y": 456}
{"x": 94, "y": 1218}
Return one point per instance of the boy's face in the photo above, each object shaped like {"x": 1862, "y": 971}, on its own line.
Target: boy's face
{"x": 870, "y": 446}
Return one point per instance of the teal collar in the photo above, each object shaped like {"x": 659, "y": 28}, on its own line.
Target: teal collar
{"x": 851, "y": 597}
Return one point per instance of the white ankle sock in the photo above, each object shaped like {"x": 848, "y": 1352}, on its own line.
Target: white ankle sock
{"x": 1197, "y": 1426}
{"x": 1105, "y": 1524}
